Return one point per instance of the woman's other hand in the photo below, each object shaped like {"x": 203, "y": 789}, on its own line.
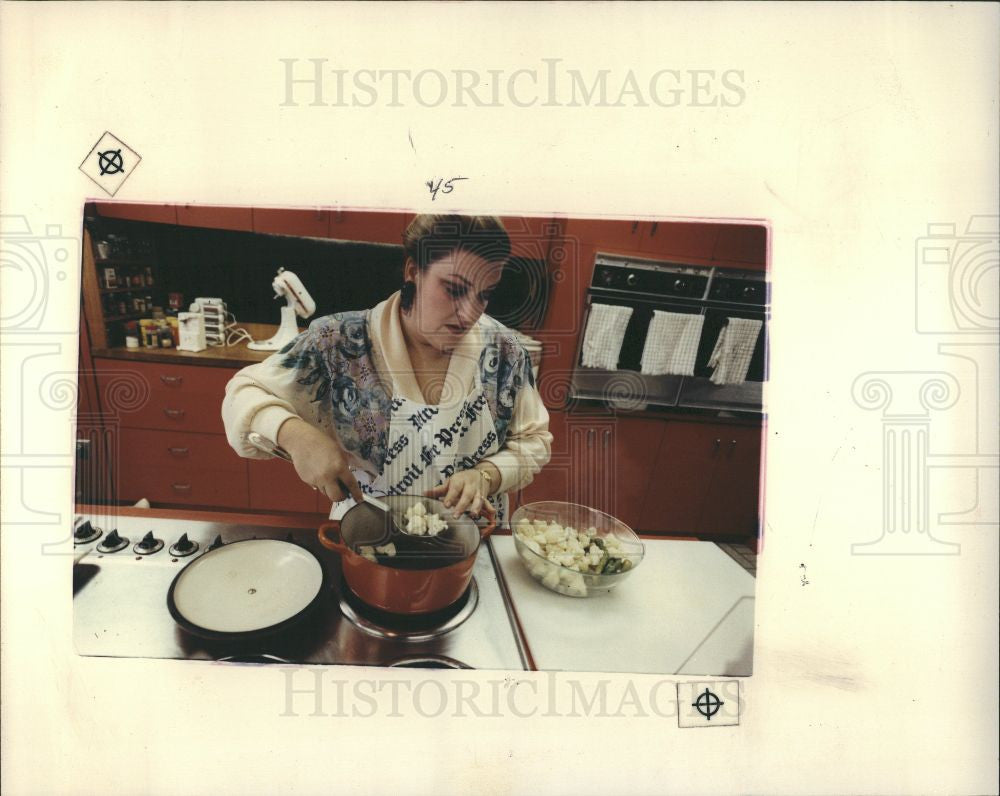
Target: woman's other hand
{"x": 320, "y": 460}
{"x": 464, "y": 492}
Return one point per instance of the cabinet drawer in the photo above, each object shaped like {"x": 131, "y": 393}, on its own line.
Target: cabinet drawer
{"x": 177, "y": 397}
{"x": 187, "y": 486}
{"x": 146, "y": 448}
{"x": 275, "y": 486}
{"x": 163, "y": 377}
{"x": 190, "y": 411}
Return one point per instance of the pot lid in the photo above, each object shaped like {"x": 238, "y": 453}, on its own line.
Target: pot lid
{"x": 244, "y": 587}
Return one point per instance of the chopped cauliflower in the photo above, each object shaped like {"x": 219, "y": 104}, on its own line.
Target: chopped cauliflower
{"x": 367, "y": 552}
{"x": 386, "y": 549}
{"x": 586, "y": 551}
{"x": 421, "y": 522}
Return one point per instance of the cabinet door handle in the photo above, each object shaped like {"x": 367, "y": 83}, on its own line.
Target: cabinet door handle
{"x": 178, "y": 451}
{"x": 652, "y": 232}
{"x": 172, "y": 380}
{"x": 182, "y": 487}
{"x": 174, "y": 413}
{"x": 715, "y": 446}
{"x": 590, "y": 438}
{"x": 607, "y": 438}
{"x": 635, "y": 226}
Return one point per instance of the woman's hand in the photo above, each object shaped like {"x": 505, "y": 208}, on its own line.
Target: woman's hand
{"x": 464, "y": 492}
{"x": 320, "y": 460}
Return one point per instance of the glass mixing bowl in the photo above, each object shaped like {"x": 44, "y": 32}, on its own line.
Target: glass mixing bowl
{"x": 565, "y": 579}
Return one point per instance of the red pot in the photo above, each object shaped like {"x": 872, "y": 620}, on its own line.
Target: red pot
{"x": 418, "y": 581}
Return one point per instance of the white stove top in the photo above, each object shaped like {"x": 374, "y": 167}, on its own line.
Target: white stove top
{"x": 120, "y": 608}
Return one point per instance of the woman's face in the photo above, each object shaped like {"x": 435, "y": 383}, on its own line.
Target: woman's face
{"x": 452, "y": 292}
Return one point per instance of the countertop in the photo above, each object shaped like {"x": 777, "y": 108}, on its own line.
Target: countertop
{"x": 688, "y": 609}
{"x": 236, "y": 356}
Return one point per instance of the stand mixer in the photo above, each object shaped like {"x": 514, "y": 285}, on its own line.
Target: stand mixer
{"x": 298, "y": 302}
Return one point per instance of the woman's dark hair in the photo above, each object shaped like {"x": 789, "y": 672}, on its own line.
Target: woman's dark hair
{"x": 430, "y": 237}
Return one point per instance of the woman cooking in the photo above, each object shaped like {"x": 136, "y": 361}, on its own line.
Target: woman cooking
{"x": 422, "y": 394}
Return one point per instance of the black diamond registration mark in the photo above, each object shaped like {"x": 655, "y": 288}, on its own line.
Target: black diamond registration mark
{"x": 110, "y": 162}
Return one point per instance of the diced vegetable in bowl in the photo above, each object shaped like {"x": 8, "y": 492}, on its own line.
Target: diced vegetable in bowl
{"x": 574, "y": 550}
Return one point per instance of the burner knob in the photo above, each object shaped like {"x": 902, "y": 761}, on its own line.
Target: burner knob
{"x": 183, "y": 546}
{"x": 148, "y": 544}
{"x": 749, "y": 292}
{"x": 632, "y": 280}
{"x": 112, "y": 543}
{"x": 680, "y": 286}
{"x": 86, "y": 532}
{"x": 217, "y": 543}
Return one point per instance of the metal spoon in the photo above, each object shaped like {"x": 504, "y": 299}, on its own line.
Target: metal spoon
{"x": 393, "y": 526}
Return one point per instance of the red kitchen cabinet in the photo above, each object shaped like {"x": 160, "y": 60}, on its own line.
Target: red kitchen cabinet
{"x": 741, "y": 246}
{"x": 215, "y": 217}
{"x": 600, "y": 461}
{"x": 372, "y": 227}
{"x": 604, "y": 234}
{"x": 682, "y": 475}
{"x": 530, "y": 237}
{"x": 552, "y": 482}
{"x": 130, "y": 211}
{"x": 275, "y": 486}
{"x": 636, "y": 445}
{"x": 165, "y": 434}
{"x": 571, "y": 266}
{"x": 180, "y": 485}
{"x": 704, "y": 485}
{"x": 687, "y": 242}
{"x": 732, "y": 504}
{"x": 313, "y": 223}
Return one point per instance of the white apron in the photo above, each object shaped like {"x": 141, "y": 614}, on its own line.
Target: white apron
{"x": 427, "y": 444}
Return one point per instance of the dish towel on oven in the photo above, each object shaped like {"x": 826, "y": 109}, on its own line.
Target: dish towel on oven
{"x": 733, "y": 350}
{"x": 602, "y": 340}
{"x": 672, "y": 343}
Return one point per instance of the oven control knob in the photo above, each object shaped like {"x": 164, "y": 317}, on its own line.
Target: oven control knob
{"x": 608, "y": 277}
{"x": 749, "y": 292}
{"x": 217, "y": 543}
{"x": 148, "y": 545}
{"x": 680, "y": 286}
{"x": 632, "y": 280}
{"x": 112, "y": 543}
{"x": 86, "y": 532}
{"x": 183, "y": 546}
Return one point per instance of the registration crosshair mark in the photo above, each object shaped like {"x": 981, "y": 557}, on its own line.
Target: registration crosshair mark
{"x": 707, "y": 704}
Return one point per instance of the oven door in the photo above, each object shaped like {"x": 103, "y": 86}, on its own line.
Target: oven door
{"x": 627, "y": 387}
{"x": 701, "y": 393}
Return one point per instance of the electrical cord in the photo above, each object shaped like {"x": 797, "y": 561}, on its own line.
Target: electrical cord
{"x": 234, "y": 333}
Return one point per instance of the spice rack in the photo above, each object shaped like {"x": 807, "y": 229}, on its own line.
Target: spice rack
{"x": 122, "y": 283}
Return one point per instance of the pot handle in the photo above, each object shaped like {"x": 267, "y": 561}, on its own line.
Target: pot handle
{"x": 334, "y": 543}
{"x": 484, "y": 532}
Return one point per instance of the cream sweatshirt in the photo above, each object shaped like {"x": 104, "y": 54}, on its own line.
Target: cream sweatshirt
{"x": 262, "y": 396}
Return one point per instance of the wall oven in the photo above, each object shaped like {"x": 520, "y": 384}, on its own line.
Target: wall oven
{"x": 645, "y": 286}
